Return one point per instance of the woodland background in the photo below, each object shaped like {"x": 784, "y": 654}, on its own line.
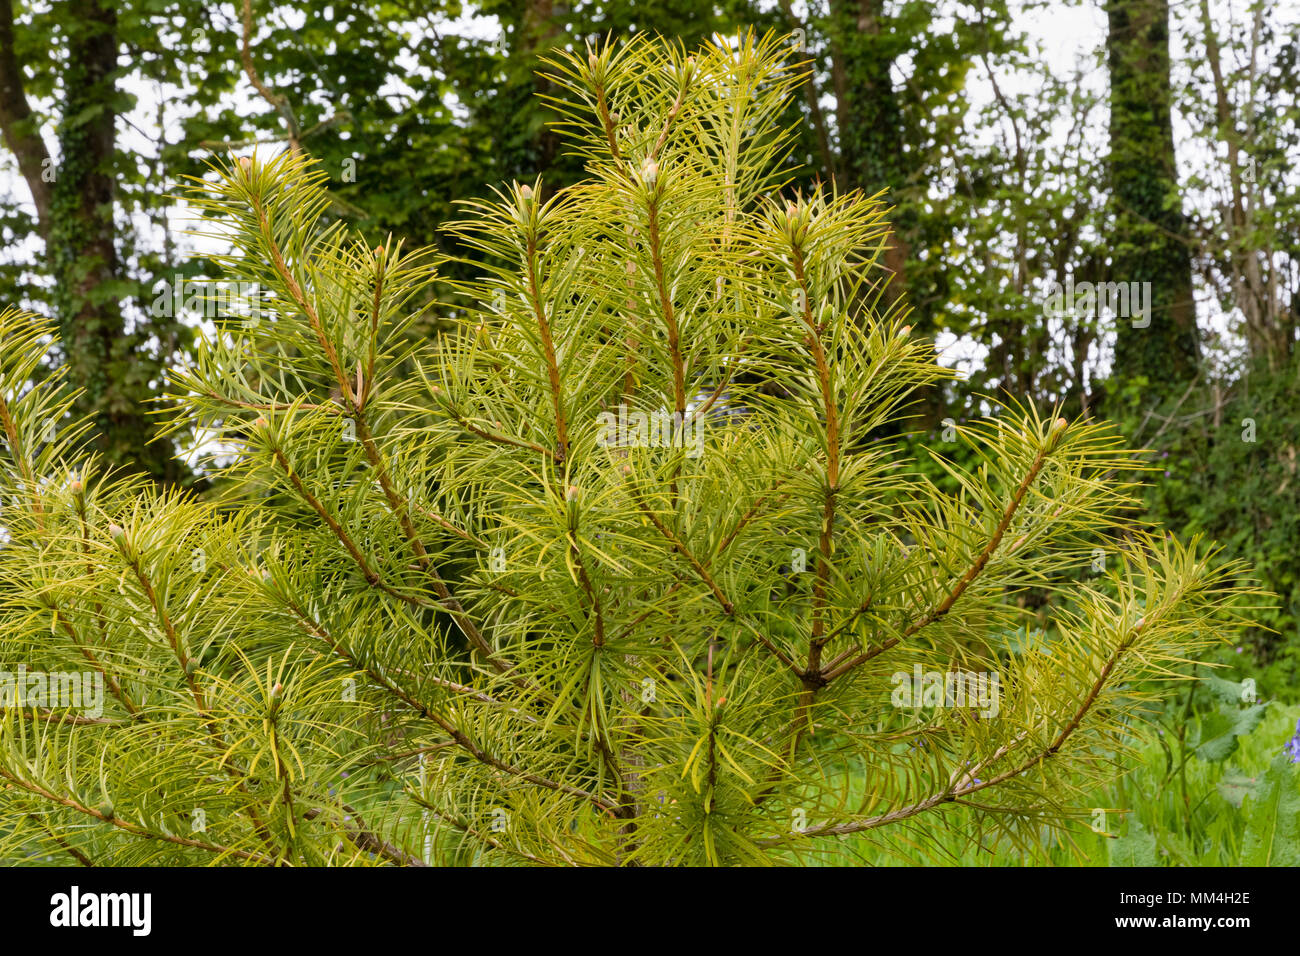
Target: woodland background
{"x": 1160, "y": 149}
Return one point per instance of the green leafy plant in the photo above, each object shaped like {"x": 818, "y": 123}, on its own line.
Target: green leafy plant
{"x": 1230, "y": 472}
{"x": 613, "y": 574}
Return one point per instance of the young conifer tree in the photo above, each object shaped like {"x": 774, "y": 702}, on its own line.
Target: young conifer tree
{"x": 617, "y": 572}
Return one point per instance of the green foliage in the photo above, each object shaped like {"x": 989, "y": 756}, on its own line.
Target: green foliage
{"x": 1219, "y": 731}
{"x": 1232, "y": 472}
{"x": 442, "y": 607}
{"x": 1142, "y": 808}
{"x": 1273, "y": 834}
{"x": 1135, "y": 848}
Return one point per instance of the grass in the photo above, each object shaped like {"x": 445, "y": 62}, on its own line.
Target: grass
{"x": 1197, "y": 815}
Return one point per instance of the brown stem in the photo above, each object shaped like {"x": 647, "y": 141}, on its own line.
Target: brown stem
{"x": 63, "y": 844}
{"x": 19, "y": 455}
{"x": 462, "y": 740}
{"x": 680, "y": 547}
{"x": 842, "y": 666}
{"x": 370, "y": 574}
{"x": 548, "y": 348}
{"x": 200, "y": 703}
{"x": 132, "y": 828}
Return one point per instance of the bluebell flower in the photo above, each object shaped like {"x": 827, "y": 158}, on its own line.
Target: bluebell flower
{"x": 1292, "y": 747}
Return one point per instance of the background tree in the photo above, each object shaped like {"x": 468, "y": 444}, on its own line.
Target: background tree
{"x": 1150, "y": 241}
{"x": 74, "y": 195}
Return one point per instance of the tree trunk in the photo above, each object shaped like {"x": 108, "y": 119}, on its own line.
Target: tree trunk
{"x": 1150, "y": 241}
{"x": 75, "y": 206}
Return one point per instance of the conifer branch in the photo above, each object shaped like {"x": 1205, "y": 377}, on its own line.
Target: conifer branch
{"x": 463, "y": 740}
{"x": 548, "y": 348}
{"x": 840, "y": 666}
{"x": 370, "y": 574}
{"x": 128, "y": 827}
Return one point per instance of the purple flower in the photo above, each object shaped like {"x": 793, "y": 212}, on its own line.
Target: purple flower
{"x": 1292, "y": 747}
